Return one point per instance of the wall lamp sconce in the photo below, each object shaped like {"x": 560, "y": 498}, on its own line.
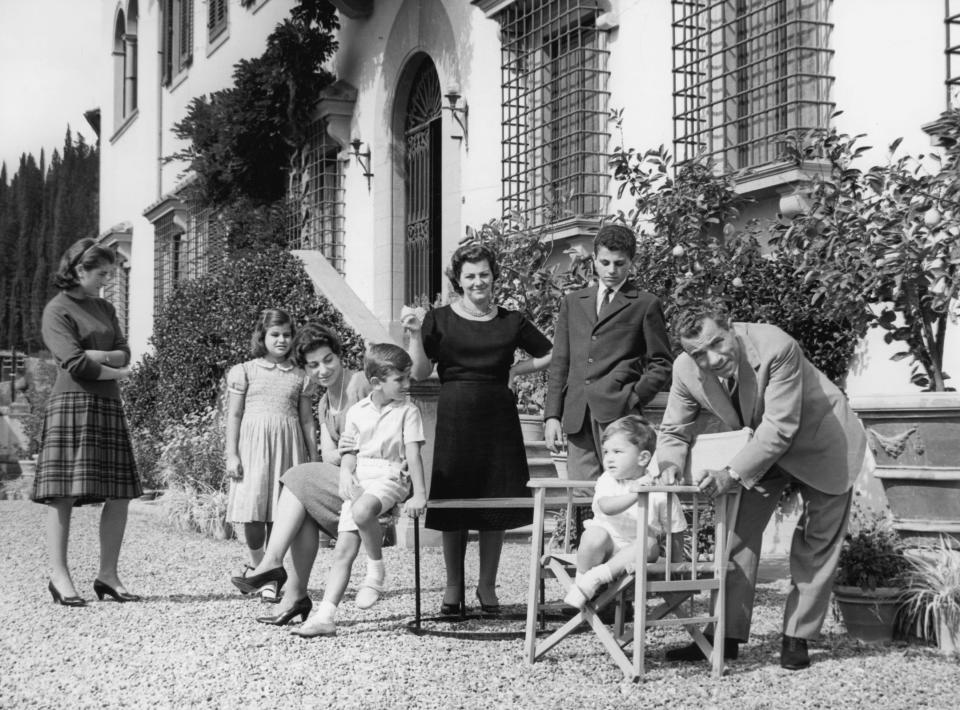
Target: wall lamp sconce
{"x": 363, "y": 159}
{"x": 458, "y": 113}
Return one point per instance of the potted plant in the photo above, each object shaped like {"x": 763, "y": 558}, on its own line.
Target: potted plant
{"x": 869, "y": 579}
{"x": 932, "y": 594}
{"x": 885, "y": 243}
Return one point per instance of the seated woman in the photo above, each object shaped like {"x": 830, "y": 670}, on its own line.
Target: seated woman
{"x": 309, "y": 502}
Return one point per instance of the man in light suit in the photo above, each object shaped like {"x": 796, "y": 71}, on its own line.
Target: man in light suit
{"x": 755, "y": 375}
{"x": 611, "y": 355}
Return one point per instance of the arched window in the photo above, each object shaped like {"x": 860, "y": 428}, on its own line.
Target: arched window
{"x": 125, "y": 63}
{"x": 423, "y": 279}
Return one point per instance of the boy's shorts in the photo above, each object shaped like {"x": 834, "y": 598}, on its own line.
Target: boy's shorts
{"x": 619, "y": 541}
{"x": 380, "y": 478}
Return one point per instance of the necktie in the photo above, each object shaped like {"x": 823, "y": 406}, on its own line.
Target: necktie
{"x": 604, "y": 301}
{"x": 731, "y": 384}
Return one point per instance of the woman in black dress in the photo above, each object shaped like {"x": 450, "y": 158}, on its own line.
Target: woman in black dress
{"x": 86, "y": 455}
{"x": 479, "y": 450}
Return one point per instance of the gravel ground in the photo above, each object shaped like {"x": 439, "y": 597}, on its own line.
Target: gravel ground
{"x": 194, "y": 643}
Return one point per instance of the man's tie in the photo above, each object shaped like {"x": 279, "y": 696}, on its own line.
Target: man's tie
{"x": 731, "y": 384}
{"x": 604, "y": 302}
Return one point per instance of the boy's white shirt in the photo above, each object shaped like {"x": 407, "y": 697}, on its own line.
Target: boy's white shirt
{"x": 383, "y": 433}
{"x": 664, "y": 512}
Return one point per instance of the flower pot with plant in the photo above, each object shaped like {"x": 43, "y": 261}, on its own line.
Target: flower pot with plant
{"x": 869, "y": 579}
{"x": 932, "y": 594}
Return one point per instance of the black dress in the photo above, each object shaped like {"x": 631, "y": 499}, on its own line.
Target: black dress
{"x": 478, "y": 450}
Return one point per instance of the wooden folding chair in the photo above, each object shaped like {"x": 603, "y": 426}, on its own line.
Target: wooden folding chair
{"x": 675, "y": 581}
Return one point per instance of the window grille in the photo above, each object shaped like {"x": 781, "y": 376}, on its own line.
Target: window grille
{"x": 555, "y": 102}
{"x": 11, "y": 363}
{"x": 177, "y": 37}
{"x": 748, "y": 74}
{"x": 315, "y": 215}
{"x": 953, "y": 52}
{"x": 117, "y": 291}
{"x": 185, "y": 252}
{"x": 216, "y": 18}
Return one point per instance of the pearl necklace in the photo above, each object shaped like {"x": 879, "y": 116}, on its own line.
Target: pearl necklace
{"x": 470, "y": 310}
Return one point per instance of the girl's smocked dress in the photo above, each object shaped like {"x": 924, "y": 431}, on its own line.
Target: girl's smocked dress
{"x": 86, "y": 452}
{"x": 479, "y": 451}
{"x": 271, "y": 440}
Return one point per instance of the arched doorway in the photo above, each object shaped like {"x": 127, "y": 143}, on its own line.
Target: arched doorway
{"x": 423, "y": 271}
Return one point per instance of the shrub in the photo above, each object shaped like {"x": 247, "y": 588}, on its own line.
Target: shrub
{"x": 872, "y": 554}
{"x": 41, "y": 375}
{"x": 691, "y": 245}
{"x": 204, "y": 328}
{"x": 191, "y": 467}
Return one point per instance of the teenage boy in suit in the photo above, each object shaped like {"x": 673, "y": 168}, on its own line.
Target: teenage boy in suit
{"x": 805, "y": 433}
{"x": 611, "y": 355}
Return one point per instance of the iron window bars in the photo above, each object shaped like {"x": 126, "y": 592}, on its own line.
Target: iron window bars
{"x": 555, "y": 102}
{"x": 747, "y": 74}
{"x": 316, "y": 199}
{"x": 184, "y": 252}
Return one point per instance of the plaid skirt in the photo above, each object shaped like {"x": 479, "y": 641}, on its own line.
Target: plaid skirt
{"x": 86, "y": 452}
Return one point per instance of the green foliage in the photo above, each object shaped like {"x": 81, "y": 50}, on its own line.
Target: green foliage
{"x": 205, "y": 328}
{"x": 932, "y": 593}
{"x": 43, "y": 209}
{"x": 872, "y": 554}
{"x": 191, "y": 456}
{"x": 692, "y": 246}
{"x": 883, "y": 244}
{"x": 242, "y": 140}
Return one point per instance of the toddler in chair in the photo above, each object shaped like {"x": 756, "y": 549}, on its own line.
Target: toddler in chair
{"x": 607, "y": 546}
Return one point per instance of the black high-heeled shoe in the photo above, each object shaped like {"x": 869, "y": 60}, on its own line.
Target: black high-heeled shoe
{"x": 488, "y": 608}
{"x": 301, "y": 608}
{"x": 65, "y": 601}
{"x": 102, "y": 589}
{"x": 252, "y": 583}
{"x": 453, "y": 609}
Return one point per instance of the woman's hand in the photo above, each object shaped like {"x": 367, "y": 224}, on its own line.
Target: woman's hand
{"x": 411, "y": 323}
{"x": 415, "y": 506}
{"x": 234, "y": 467}
{"x": 123, "y": 373}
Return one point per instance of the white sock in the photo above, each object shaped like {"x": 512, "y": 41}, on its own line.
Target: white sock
{"x": 327, "y": 612}
{"x": 376, "y": 570}
{"x": 591, "y": 581}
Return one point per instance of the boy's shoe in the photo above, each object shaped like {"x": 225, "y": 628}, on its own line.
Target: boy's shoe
{"x": 369, "y": 592}
{"x": 314, "y": 626}
{"x": 270, "y": 593}
{"x": 575, "y": 597}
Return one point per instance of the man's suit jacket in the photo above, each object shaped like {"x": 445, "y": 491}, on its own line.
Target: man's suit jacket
{"x": 802, "y": 422}
{"x": 610, "y": 365}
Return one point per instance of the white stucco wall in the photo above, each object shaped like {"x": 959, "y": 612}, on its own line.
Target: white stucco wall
{"x": 888, "y": 65}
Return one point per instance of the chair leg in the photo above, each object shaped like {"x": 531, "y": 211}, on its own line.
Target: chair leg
{"x": 416, "y": 567}
{"x": 536, "y": 553}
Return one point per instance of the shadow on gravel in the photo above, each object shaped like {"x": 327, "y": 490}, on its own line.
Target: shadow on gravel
{"x": 192, "y": 598}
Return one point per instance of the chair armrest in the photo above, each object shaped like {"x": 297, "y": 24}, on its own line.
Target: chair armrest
{"x": 559, "y": 483}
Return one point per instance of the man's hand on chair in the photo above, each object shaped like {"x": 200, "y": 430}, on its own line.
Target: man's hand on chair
{"x": 669, "y": 475}
{"x": 715, "y": 483}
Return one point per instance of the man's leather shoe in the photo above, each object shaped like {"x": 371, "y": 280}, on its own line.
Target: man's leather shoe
{"x": 793, "y": 654}
{"x": 692, "y": 652}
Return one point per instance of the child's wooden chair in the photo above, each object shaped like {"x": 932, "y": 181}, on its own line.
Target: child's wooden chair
{"x": 675, "y": 581}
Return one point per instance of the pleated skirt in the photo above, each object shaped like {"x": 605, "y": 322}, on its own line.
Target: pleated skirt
{"x": 86, "y": 452}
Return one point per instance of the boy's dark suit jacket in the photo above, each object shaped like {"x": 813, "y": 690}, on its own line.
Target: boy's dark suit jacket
{"x": 611, "y": 365}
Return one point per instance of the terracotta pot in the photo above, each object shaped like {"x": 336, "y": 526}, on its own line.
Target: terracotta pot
{"x": 916, "y": 440}
{"x": 869, "y": 616}
{"x": 532, "y": 427}
{"x": 948, "y": 635}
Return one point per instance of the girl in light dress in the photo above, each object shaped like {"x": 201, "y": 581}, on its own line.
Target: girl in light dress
{"x": 269, "y": 429}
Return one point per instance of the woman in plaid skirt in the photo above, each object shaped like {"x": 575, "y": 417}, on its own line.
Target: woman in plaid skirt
{"x": 86, "y": 455}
